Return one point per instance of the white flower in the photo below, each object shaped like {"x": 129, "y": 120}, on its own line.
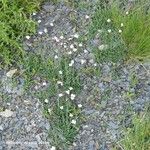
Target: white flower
{"x": 68, "y": 92}
{"x": 55, "y": 38}
{"x": 101, "y": 47}
{"x": 60, "y": 72}
{"x": 45, "y": 30}
{"x": 40, "y": 32}
{"x": 109, "y": 30}
{"x": 100, "y": 31}
{"x": 61, "y": 107}
{"x": 46, "y": 100}
{"x": 59, "y": 83}
{"x": 33, "y": 13}
{"x": 49, "y": 110}
{"x": 87, "y": 17}
{"x": 108, "y": 20}
{"x": 70, "y": 52}
{"x": 71, "y": 63}
{"x": 91, "y": 61}
{"x": 65, "y": 46}
{"x": 70, "y": 115}
{"x": 70, "y": 88}
{"x": 95, "y": 64}
{"x": 27, "y": 37}
{"x": 79, "y": 105}
{"x": 44, "y": 83}
{"x": 76, "y": 36}
{"x": 73, "y": 121}
{"x": 122, "y": 24}
{"x": 69, "y": 39}
{"x": 39, "y": 21}
{"x": 61, "y": 37}
{"x": 85, "y": 51}
{"x": 53, "y": 148}
{"x": 127, "y": 13}
{"x": 56, "y": 57}
{"x": 120, "y": 31}
{"x": 74, "y": 144}
{"x": 60, "y": 95}
{"x": 73, "y": 96}
{"x": 71, "y": 46}
{"x": 80, "y": 45}
{"x": 74, "y": 49}
{"x": 83, "y": 61}
{"x": 51, "y": 24}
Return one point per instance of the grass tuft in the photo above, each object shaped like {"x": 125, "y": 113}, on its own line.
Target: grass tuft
{"x": 138, "y": 137}
{"x": 125, "y": 36}
{"x": 62, "y": 131}
{"x": 14, "y": 25}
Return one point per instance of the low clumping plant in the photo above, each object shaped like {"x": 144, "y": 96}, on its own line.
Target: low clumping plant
{"x": 134, "y": 26}
{"x": 137, "y": 137}
{"x": 60, "y": 86}
{"x": 65, "y": 121}
{"x": 15, "y": 24}
{"x": 111, "y": 47}
{"x": 124, "y": 33}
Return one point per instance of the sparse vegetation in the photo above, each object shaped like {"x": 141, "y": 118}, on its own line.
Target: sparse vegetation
{"x": 137, "y": 137}
{"x": 123, "y": 34}
{"x": 15, "y": 24}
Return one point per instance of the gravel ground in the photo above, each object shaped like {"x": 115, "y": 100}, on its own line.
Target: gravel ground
{"x": 109, "y": 99}
{"x": 22, "y": 125}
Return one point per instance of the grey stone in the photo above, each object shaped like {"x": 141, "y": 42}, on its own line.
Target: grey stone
{"x": 49, "y": 8}
{"x": 91, "y": 145}
{"x": 1, "y": 128}
{"x": 113, "y": 125}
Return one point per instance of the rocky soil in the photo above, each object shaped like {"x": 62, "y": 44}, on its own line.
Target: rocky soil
{"x": 109, "y": 99}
